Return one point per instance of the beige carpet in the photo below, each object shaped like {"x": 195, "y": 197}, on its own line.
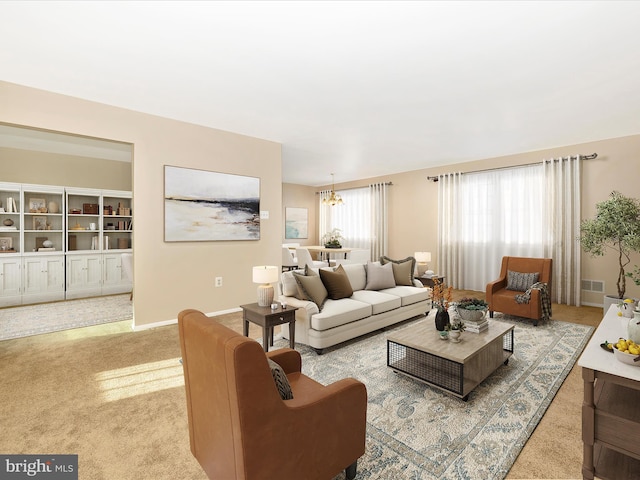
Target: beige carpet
{"x": 115, "y": 398}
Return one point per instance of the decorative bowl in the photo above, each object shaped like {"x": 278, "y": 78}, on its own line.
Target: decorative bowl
{"x": 627, "y": 358}
{"x": 444, "y": 335}
{"x": 471, "y": 315}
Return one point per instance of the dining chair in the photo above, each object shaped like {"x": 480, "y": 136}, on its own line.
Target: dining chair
{"x": 304, "y": 258}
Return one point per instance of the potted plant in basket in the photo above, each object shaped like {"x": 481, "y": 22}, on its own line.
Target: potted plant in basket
{"x": 471, "y": 309}
{"x": 332, "y": 239}
{"x": 615, "y": 227}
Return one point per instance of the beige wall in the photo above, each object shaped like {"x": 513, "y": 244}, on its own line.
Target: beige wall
{"x": 413, "y": 201}
{"x": 170, "y": 277}
{"x": 42, "y": 168}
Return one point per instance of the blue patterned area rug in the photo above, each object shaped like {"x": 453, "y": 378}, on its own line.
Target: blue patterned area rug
{"x": 27, "y": 320}
{"x": 418, "y": 432}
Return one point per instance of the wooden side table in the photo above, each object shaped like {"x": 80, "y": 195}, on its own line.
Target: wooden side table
{"x": 268, "y": 318}
{"x": 428, "y": 282}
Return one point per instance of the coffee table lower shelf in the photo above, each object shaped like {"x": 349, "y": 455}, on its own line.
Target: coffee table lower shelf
{"x": 456, "y": 377}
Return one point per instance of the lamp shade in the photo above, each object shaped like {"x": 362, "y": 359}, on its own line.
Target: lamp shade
{"x": 422, "y": 257}
{"x": 265, "y": 274}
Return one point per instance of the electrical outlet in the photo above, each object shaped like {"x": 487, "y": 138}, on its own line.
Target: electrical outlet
{"x": 218, "y": 281}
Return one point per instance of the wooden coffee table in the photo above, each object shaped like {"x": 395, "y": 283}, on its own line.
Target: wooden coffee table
{"x": 457, "y": 368}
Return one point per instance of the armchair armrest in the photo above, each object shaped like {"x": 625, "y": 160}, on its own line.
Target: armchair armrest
{"x": 493, "y": 287}
{"x": 287, "y": 358}
{"x": 332, "y": 399}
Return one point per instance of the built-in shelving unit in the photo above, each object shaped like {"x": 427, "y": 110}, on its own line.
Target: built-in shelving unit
{"x": 62, "y": 242}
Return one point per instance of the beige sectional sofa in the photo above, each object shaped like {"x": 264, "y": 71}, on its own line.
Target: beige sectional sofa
{"x": 375, "y": 301}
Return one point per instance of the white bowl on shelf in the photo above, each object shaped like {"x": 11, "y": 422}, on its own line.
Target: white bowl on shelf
{"x": 627, "y": 358}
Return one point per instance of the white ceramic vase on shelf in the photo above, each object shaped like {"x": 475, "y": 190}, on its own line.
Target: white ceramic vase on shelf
{"x": 633, "y": 327}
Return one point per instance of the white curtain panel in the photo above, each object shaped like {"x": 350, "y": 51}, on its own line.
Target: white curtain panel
{"x": 324, "y": 217}
{"x": 485, "y": 216}
{"x": 362, "y": 218}
{"x": 379, "y": 220}
{"x": 448, "y": 258}
{"x": 353, "y": 217}
{"x": 562, "y": 226}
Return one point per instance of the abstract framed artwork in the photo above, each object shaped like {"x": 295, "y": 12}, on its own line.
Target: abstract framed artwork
{"x": 200, "y": 205}
{"x": 296, "y": 222}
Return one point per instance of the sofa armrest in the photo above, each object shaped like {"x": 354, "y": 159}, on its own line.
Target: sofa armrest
{"x": 289, "y": 359}
{"x": 307, "y": 305}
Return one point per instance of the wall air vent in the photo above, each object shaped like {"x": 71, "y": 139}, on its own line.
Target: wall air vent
{"x": 593, "y": 285}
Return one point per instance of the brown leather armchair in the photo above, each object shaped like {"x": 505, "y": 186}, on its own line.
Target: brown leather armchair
{"x": 240, "y": 428}
{"x": 502, "y": 300}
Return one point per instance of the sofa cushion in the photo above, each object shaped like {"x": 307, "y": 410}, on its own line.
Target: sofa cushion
{"x": 281, "y": 380}
{"x": 311, "y": 287}
{"x": 521, "y": 281}
{"x": 336, "y": 283}
{"x": 402, "y": 269}
{"x": 357, "y": 273}
{"x": 409, "y": 295}
{"x": 379, "y": 276}
{"x": 380, "y": 302}
{"x": 340, "y": 312}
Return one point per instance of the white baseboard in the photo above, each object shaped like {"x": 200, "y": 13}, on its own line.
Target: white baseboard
{"x": 164, "y": 323}
{"x": 589, "y": 304}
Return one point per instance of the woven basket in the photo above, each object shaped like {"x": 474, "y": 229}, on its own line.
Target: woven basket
{"x": 471, "y": 315}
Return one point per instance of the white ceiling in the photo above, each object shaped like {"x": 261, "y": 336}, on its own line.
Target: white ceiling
{"x": 360, "y": 88}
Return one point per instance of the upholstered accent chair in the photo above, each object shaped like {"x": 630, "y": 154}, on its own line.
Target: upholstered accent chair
{"x": 239, "y": 425}
{"x": 517, "y": 274}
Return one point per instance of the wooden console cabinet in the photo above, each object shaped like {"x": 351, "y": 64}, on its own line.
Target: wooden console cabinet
{"x": 611, "y": 407}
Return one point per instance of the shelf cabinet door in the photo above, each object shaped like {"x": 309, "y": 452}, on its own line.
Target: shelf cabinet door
{"x": 43, "y": 279}
{"x": 84, "y": 275}
{"x": 43, "y": 275}
{"x": 115, "y": 279}
{"x": 10, "y": 279}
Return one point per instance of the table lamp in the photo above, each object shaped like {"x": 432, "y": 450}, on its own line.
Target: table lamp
{"x": 422, "y": 261}
{"x": 265, "y": 275}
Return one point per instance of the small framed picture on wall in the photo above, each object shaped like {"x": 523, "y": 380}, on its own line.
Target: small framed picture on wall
{"x": 296, "y": 222}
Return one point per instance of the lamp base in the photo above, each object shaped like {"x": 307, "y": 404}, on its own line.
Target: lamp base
{"x": 422, "y": 269}
{"x": 265, "y": 295}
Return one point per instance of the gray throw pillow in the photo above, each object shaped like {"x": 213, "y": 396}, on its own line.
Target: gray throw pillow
{"x": 402, "y": 269}
{"x": 312, "y": 288}
{"x": 282, "y": 382}
{"x": 379, "y": 276}
{"x": 521, "y": 281}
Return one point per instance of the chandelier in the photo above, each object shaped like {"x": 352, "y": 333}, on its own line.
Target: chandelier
{"x": 334, "y": 198}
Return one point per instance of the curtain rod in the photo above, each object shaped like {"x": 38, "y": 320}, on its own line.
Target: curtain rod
{"x": 582, "y": 157}
{"x": 352, "y": 188}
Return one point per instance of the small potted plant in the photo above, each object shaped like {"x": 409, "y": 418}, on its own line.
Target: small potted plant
{"x": 332, "y": 239}
{"x": 455, "y": 329}
{"x": 471, "y": 309}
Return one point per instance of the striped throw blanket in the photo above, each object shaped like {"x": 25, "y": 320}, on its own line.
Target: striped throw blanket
{"x": 544, "y": 297}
